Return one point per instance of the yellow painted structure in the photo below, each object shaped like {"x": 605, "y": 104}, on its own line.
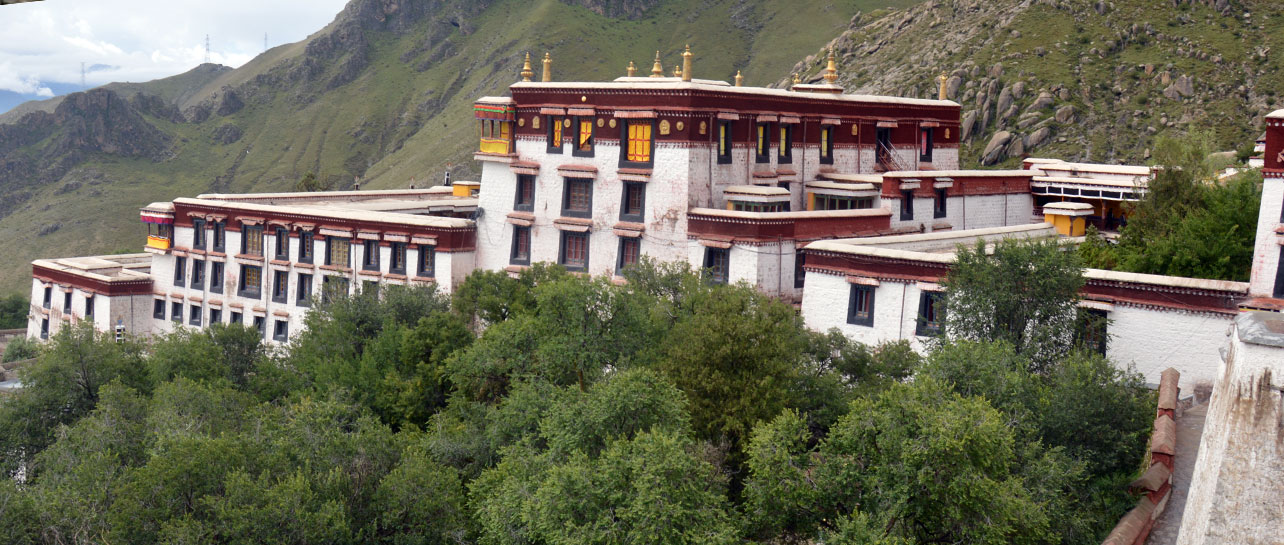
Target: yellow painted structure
{"x": 1069, "y": 226}
{"x": 160, "y": 243}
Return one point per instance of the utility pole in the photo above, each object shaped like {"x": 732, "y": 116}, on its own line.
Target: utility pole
{"x": 207, "y": 48}
{"x": 264, "y": 42}
{"x": 82, "y": 76}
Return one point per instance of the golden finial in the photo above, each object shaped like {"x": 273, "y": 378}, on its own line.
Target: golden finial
{"x": 526, "y": 68}
{"x": 632, "y": 70}
{"x": 548, "y": 68}
{"x": 831, "y": 69}
{"x": 940, "y": 80}
{"x": 797, "y": 80}
{"x": 686, "y": 64}
{"x": 740, "y": 80}
{"x": 677, "y": 71}
{"x": 657, "y": 71}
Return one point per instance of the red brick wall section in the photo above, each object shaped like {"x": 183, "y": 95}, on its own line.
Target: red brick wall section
{"x": 1156, "y": 483}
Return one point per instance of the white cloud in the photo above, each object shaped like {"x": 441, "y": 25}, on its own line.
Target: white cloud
{"x": 140, "y": 40}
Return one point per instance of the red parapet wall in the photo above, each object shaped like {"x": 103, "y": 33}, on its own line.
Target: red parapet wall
{"x": 1157, "y": 481}
{"x": 773, "y": 226}
{"x": 93, "y": 285}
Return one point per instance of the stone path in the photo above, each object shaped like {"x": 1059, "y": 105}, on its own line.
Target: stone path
{"x": 1189, "y": 428}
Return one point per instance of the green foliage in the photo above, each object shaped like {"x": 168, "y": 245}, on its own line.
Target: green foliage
{"x": 13, "y": 312}
{"x": 1025, "y": 294}
{"x": 21, "y": 348}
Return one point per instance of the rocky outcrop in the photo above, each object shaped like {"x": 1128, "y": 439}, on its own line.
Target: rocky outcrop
{"x": 994, "y": 151}
{"x": 617, "y": 9}
{"x": 100, "y": 121}
{"x": 227, "y": 134}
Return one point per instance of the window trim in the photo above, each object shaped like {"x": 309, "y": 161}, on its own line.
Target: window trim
{"x": 561, "y": 253}
{"x": 555, "y": 125}
{"x": 220, "y": 236}
{"x": 180, "y": 271}
{"x": 158, "y": 309}
{"x": 282, "y": 250}
{"x": 236, "y": 318}
{"x": 619, "y": 260}
{"x": 48, "y": 299}
{"x": 397, "y": 248}
{"x": 248, "y": 232}
{"x": 907, "y": 205}
{"x": 216, "y": 316}
{"x": 624, "y": 202}
{"x": 198, "y": 234}
{"x": 762, "y": 142}
{"x": 800, "y": 275}
{"x": 426, "y": 261}
{"x": 307, "y": 247}
{"x": 198, "y": 274}
{"x": 513, "y": 257}
{"x": 370, "y": 248}
{"x": 725, "y": 142}
{"x": 785, "y": 148}
{"x": 940, "y": 205}
{"x": 303, "y": 292}
{"x": 624, "y": 144}
{"x": 827, "y": 133}
{"x": 578, "y": 124}
{"x": 329, "y": 252}
{"x": 216, "y": 276}
{"x": 280, "y": 286}
{"x": 712, "y": 276}
{"x": 524, "y": 180}
{"x": 926, "y": 144}
{"x": 243, "y": 288}
{"x": 567, "y": 211}
{"x": 281, "y": 330}
{"x": 852, "y": 316}
{"x": 176, "y": 311}
{"x": 195, "y": 315}
{"x": 929, "y": 299}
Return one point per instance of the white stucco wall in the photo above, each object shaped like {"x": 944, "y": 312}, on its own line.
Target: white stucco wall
{"x": 1266, "y": 250}
{"x": 1154, "y": 340}
{"x": 827, "y": 297}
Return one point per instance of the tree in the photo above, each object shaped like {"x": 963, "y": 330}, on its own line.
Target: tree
{"x": 13, "y": 312}
{"x": 309, "y": 182}
{"x": 21, "y": 348}
{"x": 1025, "y": 294}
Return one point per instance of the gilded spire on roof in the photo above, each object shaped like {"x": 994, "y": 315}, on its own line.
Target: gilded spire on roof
{"x": 797, "y": 80}
{"x": 526, "y": 68}
{"x": 940, "y": 80}
{"x": 686, "y": 64}
{"x": 632, "y": 70}
{"x": 831, "y": 69}
{"x": 548, "y": 68}
{"x": 677, "y": 71}
{"x": 657, "y": 70}
{"x": 740, "y": 80}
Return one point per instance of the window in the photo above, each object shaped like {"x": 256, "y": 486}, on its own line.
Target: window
{"x": 158, "y": 309}
{"x": 574, "y": 251}
{"x": 180, "y": 271}
{"x": 717, "y": 261}
{"x": 1092, "y": 333}
{"x": 370, "y": 257}
{"x": 48, "y": 296}
{"x": 44, "y": 328}
{"x": 305, "y": 247}
{"x": 252, "y": 240}
{"x": 280, "y": 286}
{"x": 251, "y": 281}
{"x": 216, "y": 316}
{"x": 938, "y": 207}
{"x": 370, "y": 287}
{"x": 303, "y": 293}
{"x": 907, "y": 205}
{"x": 198, "y": 234}
{"x": 260, "y": 323}
{"x": 236, "y": 318}
{"x": 577, "y": 198}
{"x": 634, "y": 202}
{"x": 554, "y": 134}
{"x": 333, "y": 287}
{"x": 827, "y": 145}
{"x": 838, "y": 202}
{"x": 216, "y": 277}
{"x": 860, "y": 309}
{"x": 66, "y": 302}
{"x": 176, "y": 312}
{"x": 281, "y": 331}
{"x": 427, "y": 257}
{"x": 630, "y": 252}
{"x": 397, "y": 258}
{"x": 925, "y": 145}
{"x": 337, "y": 251}
{"x": 521, "y": 246}
{"x": 282, "y": 244}
{"x": 786, "y": 153}
{"x": 1279, "y": 276}
{"x": 638, "y": 150}
{"x": 743, "y": 206}
{"x": 198, "y": 274}
{"x": 525, "y": 199}
{"x": 931, "y": 312}
{"x": 194, "y": 311}
{"x": 583, "y": 137}
{"x": 220, "y": 236}
{"x": 724, "y": 142}
{"x": 89, "y": 305}
{"x": 800, "y": 261}
{"x": 763, "y": 137}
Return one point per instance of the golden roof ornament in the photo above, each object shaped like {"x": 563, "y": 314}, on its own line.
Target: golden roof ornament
{"x": 548, "y": 68}
{"x": 797, "y": 80}
{"x": 740, "y": 80}
{"x": 632, "y": 70}
{"x": 831, "y": 69}
{"x": 526, "y": 68}
{"x": 940, "y": 80}
{"x": 657, "y": 70}
{"x": 686, "y": 64}
{"x": 677, "y": 71}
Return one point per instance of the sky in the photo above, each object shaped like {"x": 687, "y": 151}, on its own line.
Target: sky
{"x": 42, "y": 44}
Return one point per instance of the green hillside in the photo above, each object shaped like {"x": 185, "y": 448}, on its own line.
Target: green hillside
{"x": 382, "y": 93}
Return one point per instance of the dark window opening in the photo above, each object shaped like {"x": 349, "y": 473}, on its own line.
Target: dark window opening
{"x": 89, "y": 305}
{"x": 333, "y": 287}
{"x": 236, "y": 318}
{"x": 176, "y": 312}
{"x": 220, "y": 236}
{"x": 717, "y": 263}
{"x": 280, "y": 286}
{"x": 370, "y": 257}
{"x": 925, "y": 145}
{"x": 525, "y": 199}
{"x": 198, "y": 274}
{"x": 44, "y": 328}
{"x": 883, "y": 148}
{"x": 630, "y": 253}
{"x": 786, "y": 144}
{"x": 724, "y": 142}
{"x": 306, "y": 247}
{"x": 66, "y": 302}
{"x": 216, "y": 277}
{"x": 837, "y": 202}
{"x": 216, "y": 316}
{"x": 260, "y": 324}
{"x": 939, "y": 206}
{"x": 303, "y": 293}
{"x": 252, "y": 240}
{"x": 397, "y": 258}
{"x": 158, "y": 309}
{"x": 251, "y": 281}
{"x": 931, "y": 314}
{"x": 1279, "y": 276}
{"x": 195, "y": 315}
{"x": 198, "y": 234}
{"x": 48, "y": 296}
{"x": 634, "y": 202}
{"x": 827, "y": 145}
{"x": 180, "y": 271}
{"x": 426, "y": 261}
{"x": 763, "y": 146}
{"x": 860, "y": 308}
{"x": 800, "y": 275}
{"x": 282, "y": 244}
{"x": 281, "y": 331}
{"x": 521, "y": 246}
{"x": 1092, "y": 333}
{"x": 907, "y": 205}
{"x": 370, "y": 287}
{"x": 577, "y": 198}
{"x": 574, "y": 254}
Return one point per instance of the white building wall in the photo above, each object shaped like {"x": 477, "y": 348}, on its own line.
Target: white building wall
{"x": 827, "y": 297}
{"x": 1266, "y": 251}
{"x": 945, "y": 158}
{"x": 1154, "y": 340}
{"x": 495, "y": 201}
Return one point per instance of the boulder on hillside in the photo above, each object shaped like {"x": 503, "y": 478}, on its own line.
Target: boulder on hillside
{"x": 1038, "y": 138}
{"x": 952, "y": 87}
{"x": 969, "y": 121}
{"x": 1065, "y": 114}
{"x": 1044, "y": 101}
{"x": 1005, "y": 99}
{"x": 994, "y": 150}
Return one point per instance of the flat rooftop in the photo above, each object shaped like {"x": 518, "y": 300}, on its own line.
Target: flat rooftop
{"x": 104, "y": 268}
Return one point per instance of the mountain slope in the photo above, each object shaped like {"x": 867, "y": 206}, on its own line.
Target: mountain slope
{"x": 383, "y": 94}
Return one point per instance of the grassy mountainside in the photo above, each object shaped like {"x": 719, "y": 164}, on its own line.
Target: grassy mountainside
{"x": 1076, "y": 79}
{"x": 383, "y": 93}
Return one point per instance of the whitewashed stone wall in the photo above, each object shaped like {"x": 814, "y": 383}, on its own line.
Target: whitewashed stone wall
{"x": 827, "y": 297}
{"x": 1266, "y": 251}
{"x": 1154, "y": 339}
{"x": 133, "y": 311}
